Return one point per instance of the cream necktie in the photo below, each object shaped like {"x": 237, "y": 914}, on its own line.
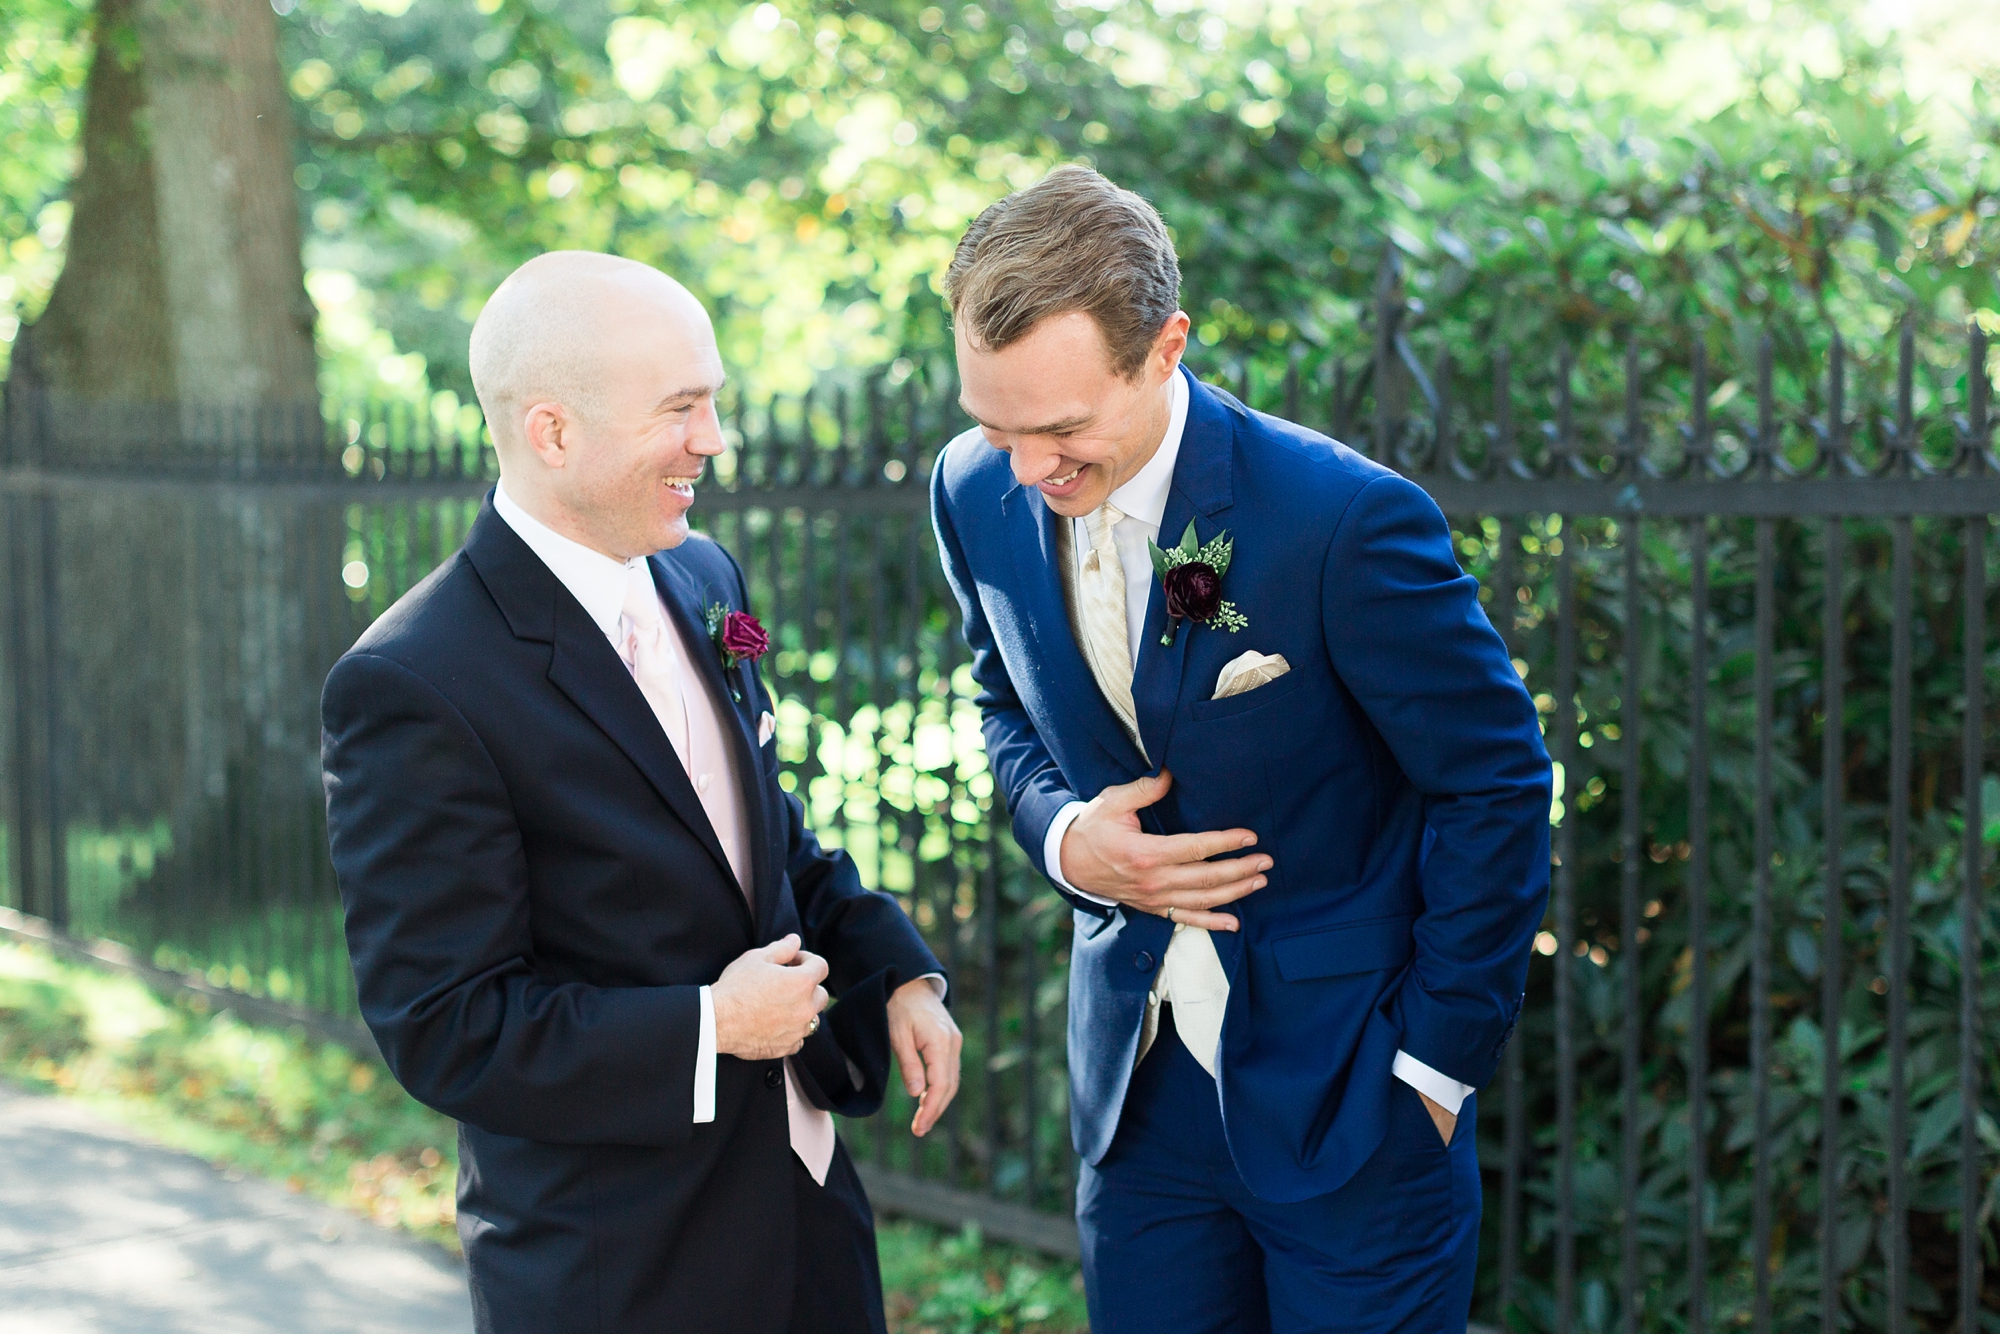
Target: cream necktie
{"x": 1191, "y": 975}
{"x": 653, "y": 650}
{"x": 1100, "y": 585}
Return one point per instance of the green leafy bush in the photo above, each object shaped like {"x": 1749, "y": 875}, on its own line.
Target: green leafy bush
{"x": 941, "y": 1283}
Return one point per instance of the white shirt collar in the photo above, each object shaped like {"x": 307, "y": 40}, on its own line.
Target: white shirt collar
{"x": 593, "y": 578}
{"x": 1144, "y": 495}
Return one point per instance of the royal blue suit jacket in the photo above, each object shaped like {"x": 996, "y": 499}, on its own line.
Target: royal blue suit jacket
{"x": 1396, "y": 775}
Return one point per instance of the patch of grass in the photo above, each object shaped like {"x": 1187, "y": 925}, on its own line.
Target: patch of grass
{"x": 332, "y": 1124}
{"x": 937, "y": 1282}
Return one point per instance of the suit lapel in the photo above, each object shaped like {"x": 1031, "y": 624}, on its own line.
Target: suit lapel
{"x": 587, "y": 669}
{"x": 584, "y": 667}
{"x": 687, "y": 605}
{"x": 1201, "y": 491}
{"x": 1031, "y": 536}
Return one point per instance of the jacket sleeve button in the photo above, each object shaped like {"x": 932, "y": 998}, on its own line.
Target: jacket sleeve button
{"x": 1143, "y": 961}
{"x": 773, "y": 1077}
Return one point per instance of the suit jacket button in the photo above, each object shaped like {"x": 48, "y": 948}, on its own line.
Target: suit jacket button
{"x": 773, "y": 1077}
{"x": 1143, "y": 961}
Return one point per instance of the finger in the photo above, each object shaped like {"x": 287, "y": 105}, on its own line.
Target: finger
{"x": 813, "y": 966}
{"x": 903, "y": 1040}
{"x": 940, "y": 1083}
{"x": 1185, "y": 901}
{"x": 1204, "y": 884}
{"x": 782, "y": 950}
{"x": 1185, "y": 906}
{"x": 1207, "y": 921}
{"x": 1179, "y": 848}
{"x": 820, "y": 999}
{"x": 1139, "y": 792}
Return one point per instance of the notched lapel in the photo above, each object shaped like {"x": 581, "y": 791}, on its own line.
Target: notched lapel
{"x": 1156, "y": 681}
{"x": 1201, "y": 491}
{"x": 1031, "y": 536}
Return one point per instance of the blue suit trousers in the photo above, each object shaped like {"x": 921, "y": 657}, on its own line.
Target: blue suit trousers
{"x": 1174, "y": 1243}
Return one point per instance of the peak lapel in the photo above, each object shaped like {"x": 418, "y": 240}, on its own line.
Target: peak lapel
{"x": 1201, "y": 491}
{"x": 525, "y": 590}
{"x": 687, "y": 606}
{"x": 587, "y": 669}
{"x": 1032, "y": 538}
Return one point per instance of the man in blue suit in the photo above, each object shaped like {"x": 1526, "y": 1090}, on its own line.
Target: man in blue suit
{"x": 1226, "y": 662}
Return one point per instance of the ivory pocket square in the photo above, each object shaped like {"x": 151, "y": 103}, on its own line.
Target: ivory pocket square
{"x": 1248, "y": 672}
{"x": 767, "y": 727}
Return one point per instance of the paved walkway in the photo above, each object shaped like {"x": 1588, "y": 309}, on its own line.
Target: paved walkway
{"x": 102, "y": 1233}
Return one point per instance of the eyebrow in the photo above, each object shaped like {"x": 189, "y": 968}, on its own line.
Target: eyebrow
{"x": 690, "y": 392}
{"x": 1053, "y": 428}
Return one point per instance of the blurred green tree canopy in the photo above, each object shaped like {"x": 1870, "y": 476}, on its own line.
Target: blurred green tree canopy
{"x": 1543, "y": 170}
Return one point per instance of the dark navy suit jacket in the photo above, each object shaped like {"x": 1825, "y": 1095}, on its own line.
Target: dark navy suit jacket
{"x": 1396, "y": 775}
{"x": 534, "y": 897}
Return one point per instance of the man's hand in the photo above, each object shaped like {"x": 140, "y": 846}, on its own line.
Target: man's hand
{"x": 1446, "y": 1122}
{"x": 1104, "y": 852}
{"x": 767, "y": 1001}
{"x": 926, "y": 1043}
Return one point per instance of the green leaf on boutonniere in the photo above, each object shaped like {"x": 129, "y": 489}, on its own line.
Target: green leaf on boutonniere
{"x": 1160, "y": 562}
{"x": 1190, "y": 544}
{"x": 1216, "y": 554}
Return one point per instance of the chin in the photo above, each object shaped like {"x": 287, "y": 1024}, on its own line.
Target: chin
{"x": 1077, "y": 506}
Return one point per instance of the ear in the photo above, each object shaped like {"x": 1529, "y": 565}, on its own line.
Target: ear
{"x": 1170, "y": 346}
{"x": 544, "y": 426}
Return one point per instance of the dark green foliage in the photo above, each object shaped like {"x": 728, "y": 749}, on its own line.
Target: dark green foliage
{"x": 750, "y": 148}
{"x": 937, "y": 1283}
{"x": 1592, "y": 797}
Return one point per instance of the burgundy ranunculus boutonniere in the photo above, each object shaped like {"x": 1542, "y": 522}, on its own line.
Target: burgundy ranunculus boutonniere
{"x": 1191, "y": 574}
{"x": 1194, "y": 591}
{"x": 743, "y": 638}
{"x": 739, "y": 637}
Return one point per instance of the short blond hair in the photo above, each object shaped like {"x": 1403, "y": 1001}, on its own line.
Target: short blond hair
{"x": 1073, "y": 241}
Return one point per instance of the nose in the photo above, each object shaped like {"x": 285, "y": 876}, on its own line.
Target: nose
{"x": 704, "y": 435}
{"x": 1032, "y": 463}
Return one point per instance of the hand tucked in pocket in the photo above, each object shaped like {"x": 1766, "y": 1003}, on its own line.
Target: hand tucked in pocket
{"x": 1247, "y": 672}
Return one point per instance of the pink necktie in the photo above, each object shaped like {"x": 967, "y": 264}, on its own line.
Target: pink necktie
{"x": 654, "y": 651}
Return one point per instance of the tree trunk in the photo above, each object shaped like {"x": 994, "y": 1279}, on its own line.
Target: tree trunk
{"x": 173, "y": 657}
{"x": 183, "y": 281}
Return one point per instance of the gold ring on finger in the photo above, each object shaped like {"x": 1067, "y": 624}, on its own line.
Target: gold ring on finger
{"x": 813, "y": 1027}
{"x": 1170, "y": 914}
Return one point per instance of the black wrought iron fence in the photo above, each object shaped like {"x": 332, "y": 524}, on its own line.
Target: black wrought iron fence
{"x": 1750, "y": 603}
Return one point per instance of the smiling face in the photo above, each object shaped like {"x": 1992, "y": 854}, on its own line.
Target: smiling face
{"x": 1073, "y": 428}
{"x": 625, "y": 473}
{"x": 602, "y": 376}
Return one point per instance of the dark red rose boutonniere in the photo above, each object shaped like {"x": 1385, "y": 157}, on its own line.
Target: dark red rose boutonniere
{"x": 739, "y": 637}
{"x": 1191, "y": 575}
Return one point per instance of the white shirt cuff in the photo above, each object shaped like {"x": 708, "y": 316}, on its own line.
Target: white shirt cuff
{"x": 1441, "y": 1089}
{"x": 938, "y": 984}
{"x": 704, "y": 1063}
{"x": 1052, "y": 852}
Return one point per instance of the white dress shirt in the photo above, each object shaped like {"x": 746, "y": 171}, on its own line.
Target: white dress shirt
{"x": 1143, "y": 501}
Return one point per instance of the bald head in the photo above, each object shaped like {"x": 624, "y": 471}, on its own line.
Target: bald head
{"x": 598, "y": 378}
{"x": 545, "y": 333}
